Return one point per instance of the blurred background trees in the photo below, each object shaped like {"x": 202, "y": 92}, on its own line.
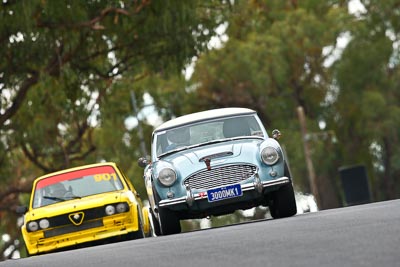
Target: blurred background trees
{"x": 66, "y": 73}
{"x": 69, "y": 68}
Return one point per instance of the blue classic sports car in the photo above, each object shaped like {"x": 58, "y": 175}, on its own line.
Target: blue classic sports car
{"x": 213, "y": 163}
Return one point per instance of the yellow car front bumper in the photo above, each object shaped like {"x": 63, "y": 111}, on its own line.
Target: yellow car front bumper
{"x": 56, "y": 238}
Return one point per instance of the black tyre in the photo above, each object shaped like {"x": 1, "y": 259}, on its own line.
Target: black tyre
{"x": 169, "y": 222}
{"x": 283, "y": 203}
{"x": 136, "y": 235}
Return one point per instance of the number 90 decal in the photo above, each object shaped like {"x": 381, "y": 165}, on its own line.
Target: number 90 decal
{"x": 105, "y": 177}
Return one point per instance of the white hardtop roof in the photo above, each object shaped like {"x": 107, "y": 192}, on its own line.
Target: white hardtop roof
{"x": 203, "y": 115}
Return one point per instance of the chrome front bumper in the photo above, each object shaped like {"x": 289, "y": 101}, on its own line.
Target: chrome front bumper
{"x": 257, "y": 185}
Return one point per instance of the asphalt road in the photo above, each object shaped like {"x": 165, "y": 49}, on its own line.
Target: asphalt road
{"x": 365, "y": 235}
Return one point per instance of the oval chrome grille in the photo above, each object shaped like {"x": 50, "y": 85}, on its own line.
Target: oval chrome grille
{"x": 220, "y": 176}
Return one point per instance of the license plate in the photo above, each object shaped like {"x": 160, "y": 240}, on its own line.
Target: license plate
{"x": 225, "y": 192}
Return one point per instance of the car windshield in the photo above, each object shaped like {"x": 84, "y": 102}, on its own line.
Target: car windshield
{"x": 206, "y": 132}
{"x": 76, "y": 184}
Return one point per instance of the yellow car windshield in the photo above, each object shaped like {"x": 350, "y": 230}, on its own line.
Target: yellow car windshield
{"x": 76, "y": 184}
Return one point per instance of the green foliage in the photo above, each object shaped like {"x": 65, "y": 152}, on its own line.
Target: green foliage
{"x": 367, "y": 76}
{"x": 273, "y": 63}
{"x": 66, "y": 72}
{"x": 63, "y": 62}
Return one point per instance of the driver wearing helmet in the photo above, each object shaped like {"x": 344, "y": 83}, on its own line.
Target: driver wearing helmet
{"x": 58, "y": 190}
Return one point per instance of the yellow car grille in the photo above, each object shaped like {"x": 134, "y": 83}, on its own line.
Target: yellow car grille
{"x": 72, "y": 228}
{"x": 62, "y": 224}
{"x": 220, "y": 176}
{"x": 89, "y": 214}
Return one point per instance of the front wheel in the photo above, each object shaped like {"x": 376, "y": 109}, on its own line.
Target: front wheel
{"x": 169, "y": 222}
{"x": 283, "y": 203}
{"x": 135, "y": 235}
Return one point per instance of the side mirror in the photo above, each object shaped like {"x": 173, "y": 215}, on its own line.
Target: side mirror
{"x": 21, "y": 210}
{"x": 143, "y": 162}
{"x": 276, "y": 134}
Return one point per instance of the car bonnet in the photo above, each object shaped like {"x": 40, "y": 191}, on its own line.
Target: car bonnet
{"x": 192, "y": 160}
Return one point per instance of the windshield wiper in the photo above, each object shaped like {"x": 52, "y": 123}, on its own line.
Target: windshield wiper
{"x": 196, "y": 145}
{"x": 72, "y": 197}
{"x": 54, "y": 198}
{"x": 213, "y": 142}
{"x": 62, "y": 198}
{"x": 224, "y": 140}
{"x": 206, "y": 143}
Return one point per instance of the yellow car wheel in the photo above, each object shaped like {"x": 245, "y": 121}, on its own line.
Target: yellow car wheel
{"x": 147, "y": 229}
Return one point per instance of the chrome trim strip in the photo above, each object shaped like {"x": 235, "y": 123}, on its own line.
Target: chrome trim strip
{"x": 246, "y": 187}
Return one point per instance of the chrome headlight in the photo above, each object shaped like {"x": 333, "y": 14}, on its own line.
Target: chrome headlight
{"x": 122, "y": 207}
{"x": 270, "y": 155}
{"x": 110, "y": 210}
{"x": 44, "y": 223}
{"x": 167, "y": 177}
{"x": 33, "y": 226}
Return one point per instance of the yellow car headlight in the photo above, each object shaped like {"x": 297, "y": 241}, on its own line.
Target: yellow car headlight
{"x": 110, "y": 210}
{"x": 44, "y": 223}
{"x": 33, "y": 226}
{"x": 122, "y": 207}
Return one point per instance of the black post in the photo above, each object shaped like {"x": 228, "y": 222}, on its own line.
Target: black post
{"x": 355, "y": 184}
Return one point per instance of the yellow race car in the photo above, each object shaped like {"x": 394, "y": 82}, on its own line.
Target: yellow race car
{"x": 81, "y": 206}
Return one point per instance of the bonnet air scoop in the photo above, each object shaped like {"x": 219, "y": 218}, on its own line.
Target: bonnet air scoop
{"x": 216, "y": 155}
{"x": 207, "y": 159}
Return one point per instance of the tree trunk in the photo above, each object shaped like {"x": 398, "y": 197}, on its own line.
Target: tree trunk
{"x": 388, "y": 183}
